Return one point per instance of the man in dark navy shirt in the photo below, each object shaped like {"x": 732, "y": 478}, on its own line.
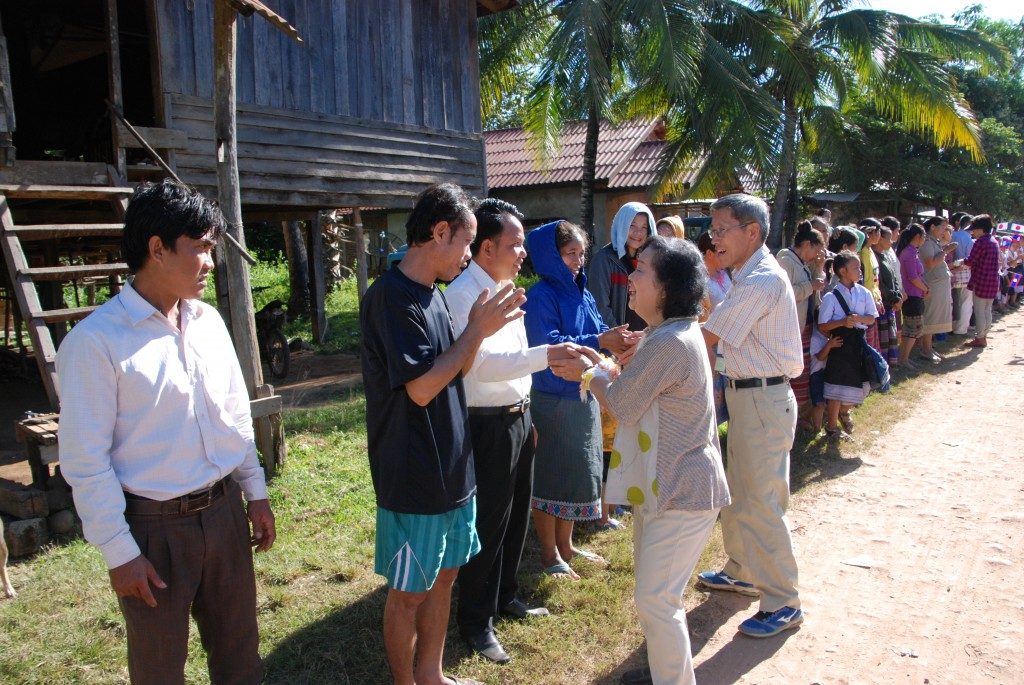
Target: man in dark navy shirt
{"x": 421, "y": 458}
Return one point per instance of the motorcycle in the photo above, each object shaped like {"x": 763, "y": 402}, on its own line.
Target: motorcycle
{"x": 270, "y": 336}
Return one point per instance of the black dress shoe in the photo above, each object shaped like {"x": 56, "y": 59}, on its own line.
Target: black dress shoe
{"x": 487, "y": 646}
{"x": 518, "y": 609}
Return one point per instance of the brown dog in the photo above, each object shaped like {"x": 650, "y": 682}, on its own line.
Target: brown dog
{"x": 8, "y": 588}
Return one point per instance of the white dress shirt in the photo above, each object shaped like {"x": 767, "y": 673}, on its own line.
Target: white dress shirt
{"x": 757, "y": 323}
{"x": 150, "y": 410}
{"x": 500, "y": 375}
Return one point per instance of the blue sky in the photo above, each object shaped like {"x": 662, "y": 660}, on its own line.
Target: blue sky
{"x": 1012, "y": 10}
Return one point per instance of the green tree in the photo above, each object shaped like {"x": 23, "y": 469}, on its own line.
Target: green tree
{"x": 880, "y": 154}
{"x": 898, "y": 66}
{"x": 594, "y": 59}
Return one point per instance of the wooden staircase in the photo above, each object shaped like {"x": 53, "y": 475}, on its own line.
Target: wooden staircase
{"x": 59, "y": 249}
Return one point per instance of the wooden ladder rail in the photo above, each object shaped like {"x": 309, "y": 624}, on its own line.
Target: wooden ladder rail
{"x": 23, "y": 277}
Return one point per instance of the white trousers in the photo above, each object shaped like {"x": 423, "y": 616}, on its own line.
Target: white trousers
{"x": 982, "y": 315}
{"x": 666, "y": 549}
{"x": 966, "y": 309}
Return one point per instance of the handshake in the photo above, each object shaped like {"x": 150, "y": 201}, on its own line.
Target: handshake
{"x": 576, "y": 363}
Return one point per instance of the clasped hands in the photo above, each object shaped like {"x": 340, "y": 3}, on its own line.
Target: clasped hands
{"x": 569, "y": 362}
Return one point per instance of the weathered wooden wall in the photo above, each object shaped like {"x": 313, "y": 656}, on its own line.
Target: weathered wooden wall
{"x": 380, "y": 100}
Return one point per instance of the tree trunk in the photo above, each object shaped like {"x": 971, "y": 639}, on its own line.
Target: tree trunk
{"x": 298, "y": 269}
{"x": 792, "y": 210}
{"x": 776, "y": 237}
{"x": 589, "y": 173}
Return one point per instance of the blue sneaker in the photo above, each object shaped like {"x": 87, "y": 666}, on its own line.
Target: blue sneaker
{"x": 720, "y": 580}
{"x": 768, "y": 623}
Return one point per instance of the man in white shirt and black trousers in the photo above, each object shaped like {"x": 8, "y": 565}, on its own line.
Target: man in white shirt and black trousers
{"x": 156, "y": 441}
{"x": 498, "y": 395}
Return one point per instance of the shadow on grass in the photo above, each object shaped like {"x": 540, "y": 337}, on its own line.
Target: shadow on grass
{"x": 342, "y": 648}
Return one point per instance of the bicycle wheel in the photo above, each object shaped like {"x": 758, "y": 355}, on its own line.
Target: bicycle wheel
{"x": 278, "y": 354}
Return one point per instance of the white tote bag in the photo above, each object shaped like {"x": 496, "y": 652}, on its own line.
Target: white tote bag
{"x": 632, "y": 471}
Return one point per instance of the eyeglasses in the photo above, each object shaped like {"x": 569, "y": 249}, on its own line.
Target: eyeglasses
{"x": 719, "y": 232}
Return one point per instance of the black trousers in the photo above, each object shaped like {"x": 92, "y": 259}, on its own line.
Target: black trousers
{"x": 503, "y": 452}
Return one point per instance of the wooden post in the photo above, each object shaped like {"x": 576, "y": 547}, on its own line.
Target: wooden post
{"x": 357, "y": 219}
{"x": 243, "y": 325}
{"x": 318, "y": 280}
{"x": 114, "y": 75}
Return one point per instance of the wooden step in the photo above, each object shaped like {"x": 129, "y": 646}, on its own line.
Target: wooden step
{"x": 48, "y": 231}
{"x": 42, "y": 192}
{"x": 70, "y": 273}
{"x": 64, "y": 315}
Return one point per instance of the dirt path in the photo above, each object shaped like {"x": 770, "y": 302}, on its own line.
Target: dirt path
{"x": 938, "y": 519}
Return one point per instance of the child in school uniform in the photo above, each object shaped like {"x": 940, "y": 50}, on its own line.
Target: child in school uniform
{"x": 821, "y": 346}
{"x": 846, "y": 312}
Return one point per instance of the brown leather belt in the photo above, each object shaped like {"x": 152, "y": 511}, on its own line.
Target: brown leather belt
{"x": 186, "y": 504}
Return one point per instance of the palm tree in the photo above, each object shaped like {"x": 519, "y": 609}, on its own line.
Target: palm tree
{"x": 833, "y": 55}
{"x": 637, "y": 58}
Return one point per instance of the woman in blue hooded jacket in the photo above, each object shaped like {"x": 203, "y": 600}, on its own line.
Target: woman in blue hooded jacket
{"x": 567, "y": 465}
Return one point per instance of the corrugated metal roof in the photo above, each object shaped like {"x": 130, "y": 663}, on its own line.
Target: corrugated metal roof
{"x": 511, "y": 164}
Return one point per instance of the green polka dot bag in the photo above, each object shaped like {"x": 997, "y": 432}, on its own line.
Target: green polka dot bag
{"x": 632, "y": 471}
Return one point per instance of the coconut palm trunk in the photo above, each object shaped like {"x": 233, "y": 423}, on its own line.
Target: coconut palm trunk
{"x": 789, "y": 117}
{"x": 589, "y": 172}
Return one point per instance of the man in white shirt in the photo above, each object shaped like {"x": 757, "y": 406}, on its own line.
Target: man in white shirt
{"x": 757, "y": 330}
{"x": 156, "y": 441}
{"x": 498, "y": 395}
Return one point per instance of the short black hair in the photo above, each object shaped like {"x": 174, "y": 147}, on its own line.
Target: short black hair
{"x": 869, "y": 224}
{"x": 891, "y": 222}
{"x": 842, "y": 259}
{"x": 167, "y": 210}
{"x": 705, "y": 243}
{"x": 966, "y": 220}
{"x": 679, "y": 268}
{"x": 841, "y": 239}
{"x": 982, "y": 222}
{"x": 489, "y": 220}
{"x": 441, "y": 202}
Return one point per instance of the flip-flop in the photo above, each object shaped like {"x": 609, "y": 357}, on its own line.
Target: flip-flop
{"x": 611, "y": 524}
{"x": 591, "y": 557}
{"x": 561, "y": 569}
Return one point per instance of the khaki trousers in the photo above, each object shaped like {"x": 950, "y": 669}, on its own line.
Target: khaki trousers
{"x": 206, "y": 561}
{"x": 666, "y": 547}
{"x": 762, "y": 423}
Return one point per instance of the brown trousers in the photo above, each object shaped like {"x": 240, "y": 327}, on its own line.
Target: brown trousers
{"x": 206, "y": 560}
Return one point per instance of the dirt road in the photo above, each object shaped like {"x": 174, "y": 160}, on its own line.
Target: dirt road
{"x": 910, "y": 564}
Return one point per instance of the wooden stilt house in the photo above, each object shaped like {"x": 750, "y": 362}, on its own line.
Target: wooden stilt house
{"x": 379, "y": 100}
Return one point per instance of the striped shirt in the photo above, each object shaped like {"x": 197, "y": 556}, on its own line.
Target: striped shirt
{"x": 757, "y": 322}
{"x": 671, "y": 369}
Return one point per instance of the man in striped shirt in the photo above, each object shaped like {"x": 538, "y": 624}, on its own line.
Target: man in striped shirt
{"x": 757, "y": 331}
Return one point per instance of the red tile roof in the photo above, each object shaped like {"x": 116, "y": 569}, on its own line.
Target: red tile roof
{"x": 511, "y": 163}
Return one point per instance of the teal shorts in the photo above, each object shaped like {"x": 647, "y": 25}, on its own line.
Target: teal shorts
{"x": 413, "y": 548}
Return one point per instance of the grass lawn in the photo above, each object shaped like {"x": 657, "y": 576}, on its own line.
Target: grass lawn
{"x": 320, "y": 605}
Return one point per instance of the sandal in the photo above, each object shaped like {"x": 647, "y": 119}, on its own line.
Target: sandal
{"x": 561, "y": 570}
{"x": 611, "y": 524}
{"x": 847, "y": 421}
{"x": 591, "y": 557}
{"x": 836, "y": 434}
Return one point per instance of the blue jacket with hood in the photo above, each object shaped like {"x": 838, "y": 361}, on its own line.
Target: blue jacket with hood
{"x": 558, "y": 308}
